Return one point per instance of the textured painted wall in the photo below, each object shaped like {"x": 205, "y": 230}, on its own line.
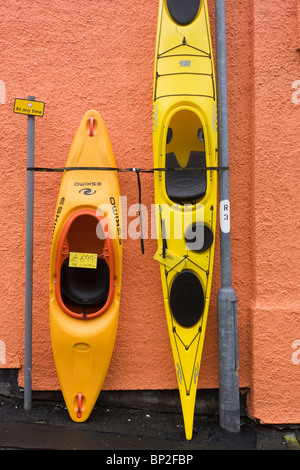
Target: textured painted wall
{"x": 76, "y": 56}
{"x": 276, "y": 308}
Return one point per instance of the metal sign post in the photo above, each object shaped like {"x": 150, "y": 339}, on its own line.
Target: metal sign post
{"x": 229, "y": 398}
{"x": 31, "y": 108}
{"x": 29, "y": 261}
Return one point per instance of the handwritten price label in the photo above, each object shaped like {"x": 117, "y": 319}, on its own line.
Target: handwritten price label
{"x": 83, "y": 260}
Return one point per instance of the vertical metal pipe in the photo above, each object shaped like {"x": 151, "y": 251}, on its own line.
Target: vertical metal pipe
{"x": 29, "y": 260}
{"x": 229, "y": 398}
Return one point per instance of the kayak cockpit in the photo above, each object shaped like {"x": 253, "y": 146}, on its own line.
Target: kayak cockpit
{"x": 185, "y": 180}
{"x": 85, "y": 266}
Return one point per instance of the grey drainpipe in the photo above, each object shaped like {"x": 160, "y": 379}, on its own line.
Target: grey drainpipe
{"x": 229, "y": 398}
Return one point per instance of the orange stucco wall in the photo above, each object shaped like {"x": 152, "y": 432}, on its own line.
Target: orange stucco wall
{"x": 275, "y": 377}
{"x": 78, "y": 55}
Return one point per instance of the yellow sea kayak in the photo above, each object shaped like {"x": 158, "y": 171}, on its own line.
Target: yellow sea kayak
{"x": 85, "y": 268}
{"x": 185, "y": 142}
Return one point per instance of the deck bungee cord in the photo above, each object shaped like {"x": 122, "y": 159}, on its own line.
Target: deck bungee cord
{"x": 180, "y": 369}
{"x": 177, "y": 338}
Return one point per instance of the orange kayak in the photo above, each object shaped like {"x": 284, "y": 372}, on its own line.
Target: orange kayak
{"x": 86, "y": 268}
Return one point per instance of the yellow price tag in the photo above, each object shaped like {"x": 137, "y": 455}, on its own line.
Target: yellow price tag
{"x": 31, "y": 108}
{"x": 170, "y": 260}
{"x": 83, "y": 260}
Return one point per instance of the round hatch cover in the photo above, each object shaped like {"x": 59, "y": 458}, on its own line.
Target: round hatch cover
{"x": 199, "y": 237}
{"x": 187, "y": 299}
{"x": 183, "y": 12}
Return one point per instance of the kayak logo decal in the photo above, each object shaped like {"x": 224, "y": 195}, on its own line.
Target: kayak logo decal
{"x": 179, "y": 373}
{"x": 58, "y": 212}
{"x": 196, "y": 372}
{"x": 87, "y": 191}
{"x": 214, "y": 117}
{"x": 155, "y": 118}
